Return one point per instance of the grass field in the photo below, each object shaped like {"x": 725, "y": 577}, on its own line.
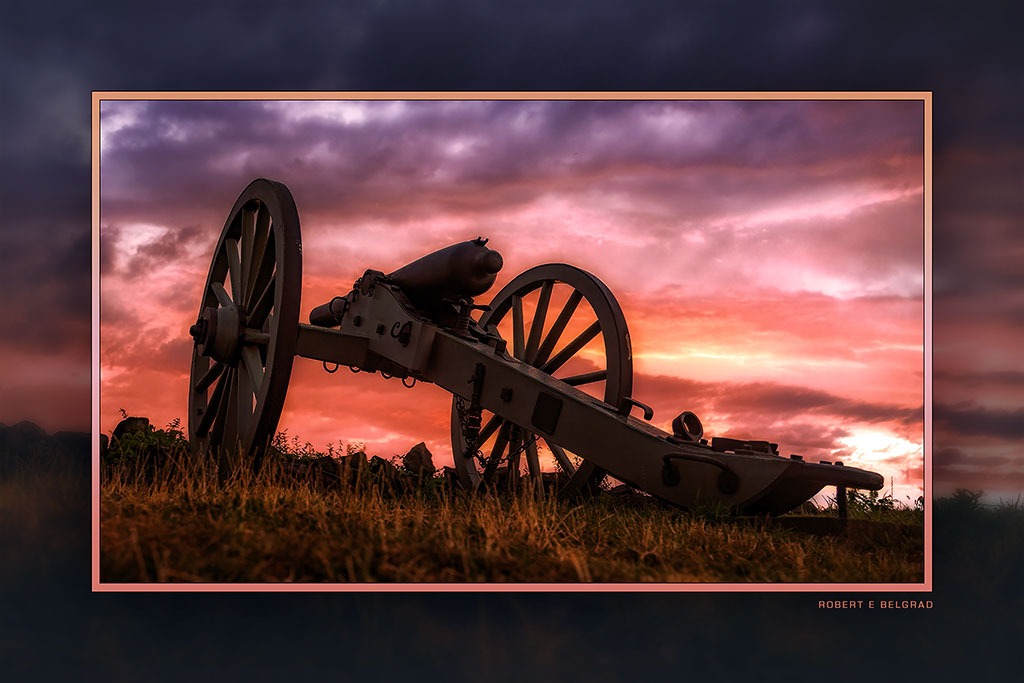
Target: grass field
{"x": 164, "y": 517}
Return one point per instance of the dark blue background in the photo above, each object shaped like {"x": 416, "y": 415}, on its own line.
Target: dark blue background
{"x": 52, "y": 54}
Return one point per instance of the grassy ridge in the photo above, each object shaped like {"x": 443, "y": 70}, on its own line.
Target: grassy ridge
{"x": 167, "y": 518}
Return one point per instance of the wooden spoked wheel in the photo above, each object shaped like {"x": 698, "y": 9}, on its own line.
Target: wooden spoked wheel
{"x": 586, "y": 345}
{"x": 247, "y": 327}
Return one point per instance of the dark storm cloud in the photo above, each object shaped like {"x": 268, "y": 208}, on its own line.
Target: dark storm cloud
{"x": 789, "y": 400}
{"x": 977, "y": 224}
{"x": 990, "y": 379}
{"x": 770, "y": 401}
{"x": 971, "y": 420}
{"x": 178, "y": 245}
{"x": 187, "y": 149}
{"x": 469, "y": 45}
{"x": 41, "y": 312}
{"x": 950, "y": 457}
{"x": 975, "y": 468}
{"x": 54, "y": 53}
{"x": 809, "y": 437}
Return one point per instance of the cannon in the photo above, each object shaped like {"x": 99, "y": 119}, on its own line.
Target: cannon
{"x": 508, "y": 370}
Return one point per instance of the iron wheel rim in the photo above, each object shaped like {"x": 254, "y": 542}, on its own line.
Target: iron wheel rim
{"x": 539, "y": 349}
{"x": 259, "y": 259}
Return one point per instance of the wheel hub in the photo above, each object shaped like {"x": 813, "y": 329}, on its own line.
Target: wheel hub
{"x": 219, "y": 333}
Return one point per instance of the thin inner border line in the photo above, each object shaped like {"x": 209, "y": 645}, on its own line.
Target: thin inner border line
{"x": 923, "y": 96}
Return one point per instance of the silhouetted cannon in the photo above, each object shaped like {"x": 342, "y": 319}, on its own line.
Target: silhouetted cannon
{"x": 524, "y": 385}
{"x": 437, "y": 282}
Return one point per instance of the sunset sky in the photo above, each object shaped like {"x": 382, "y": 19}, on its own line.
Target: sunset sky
{"x": 767, "y": 255}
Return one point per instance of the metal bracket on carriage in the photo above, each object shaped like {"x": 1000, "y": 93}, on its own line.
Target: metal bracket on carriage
{"x": 724, "y": 444}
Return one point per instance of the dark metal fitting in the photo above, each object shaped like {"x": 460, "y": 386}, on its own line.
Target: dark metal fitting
{"x": 669, "y": 474}
{"x": 402, "y": 332}
{"x": 497, "y": 343}
{"x": 798, "y": 458}
{"x": 222, "y": 330}
{"x": 465, "y": 303}
{"x": 723, "y": 444}
{"x": 687, "y": 426}
{"x": 627, "y": 404}
{"x": 505, "y": 394}
{"x": 728, "y": 482}
{"x": 357, "y": 321}
{"x": 343, "y": 306}
{"x": 825, "y": 462}
{"x": 381, "y": 328}
{"x": 368, "y": 282}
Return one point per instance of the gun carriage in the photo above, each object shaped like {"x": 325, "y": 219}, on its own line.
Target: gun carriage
{"x": 419, "y": 323}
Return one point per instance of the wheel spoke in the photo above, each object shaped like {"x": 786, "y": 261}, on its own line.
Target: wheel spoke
{"x": 234, "y": 270}
{"x": 556, "y": 330}
{"x": 212, "y": 407}
{"x": 259, "y": 337}
{"x": 488, "y": 429}
{"x": 586, "y": 378}
{"x": 518, "y": 333}
{"x": 247, "y": 218}
{"x": 209, "y": 376}
{"x": 533, "y": 462}
{"x": 255, "y": 371}
{"x": 260, "y": 310}
{"x": 265, "y": 270}
{"x": 221, "y": 294}
{"x": 561, "y": 457}
{"x": 263, "y": 353}
{"x": 228, "y": 415}
{"x": 515, "y": 446}
{"x": 537, "y": 326}
{"x": 243, "y": 398}
{"x": 499, "y": 447}
{"x": 261, "y": 232}
{"x": 570, "y": 350}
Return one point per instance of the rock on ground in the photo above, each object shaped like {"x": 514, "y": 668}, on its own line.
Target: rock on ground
{"x": 130, "y": 425}
{"x": 419, "y": 461}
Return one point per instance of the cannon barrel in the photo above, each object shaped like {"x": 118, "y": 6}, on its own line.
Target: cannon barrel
{"x": 459, "y": 271}
{"x": 462, "y": 270}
